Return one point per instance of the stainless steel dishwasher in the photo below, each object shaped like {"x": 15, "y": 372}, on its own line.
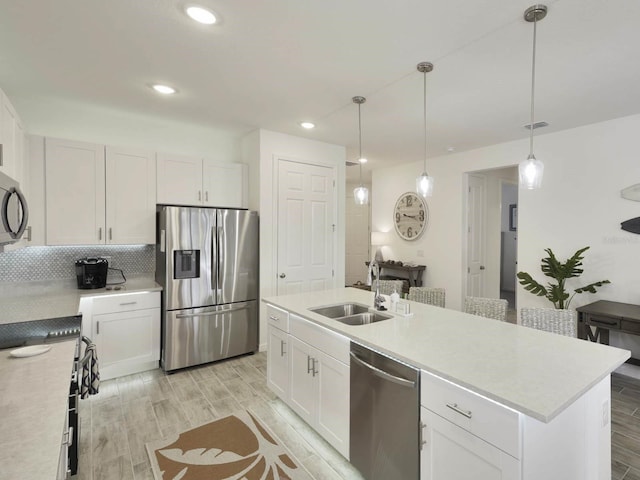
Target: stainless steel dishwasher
{"x": 384, "y": 416}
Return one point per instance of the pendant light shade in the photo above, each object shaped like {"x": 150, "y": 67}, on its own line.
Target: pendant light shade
{"x": 531, "y": 170}
{"x": 424, "y": 183}
{"x": 360, "y": 193}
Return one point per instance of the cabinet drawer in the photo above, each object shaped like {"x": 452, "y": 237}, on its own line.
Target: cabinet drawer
{"x": 606, "y": 322}
{"x": 331, "y": 343}
{"x": 494, "y": 423}
{"x": 125, "y": 302}
{"x": 630, "y": 326}
{"x": 278, "y": 318}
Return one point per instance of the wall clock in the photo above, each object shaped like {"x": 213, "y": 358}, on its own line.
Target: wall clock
{"x": 410, "y": 216}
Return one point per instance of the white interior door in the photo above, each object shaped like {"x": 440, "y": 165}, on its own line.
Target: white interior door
{"x": 475, "y": 235}
{"x": 305, "y": 227}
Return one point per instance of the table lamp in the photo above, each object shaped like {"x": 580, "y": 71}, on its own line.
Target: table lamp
{"x": 379, "y": 239}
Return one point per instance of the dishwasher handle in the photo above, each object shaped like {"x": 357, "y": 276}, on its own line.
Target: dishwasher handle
{"x": 382, "y": 374}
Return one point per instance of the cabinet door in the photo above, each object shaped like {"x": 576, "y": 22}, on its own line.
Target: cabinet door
{"x": 8, "y": 126}
{"x": 452, "y": 453}
{"x": 179, "y": 180}
{"x": 333, "y": 402}
{"x": 75, "y": 195}
{"x": 125, "y": 340}
{"x": 302, "y": 378}
{"x": 223, "y": 184}
{"x": 130, "y": 196}
{"x": 278, "y": 362}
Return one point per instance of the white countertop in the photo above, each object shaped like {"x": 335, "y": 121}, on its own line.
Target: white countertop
{"x": 534, "y": 372}
{"x": 34, "y": 394}
{"x": 27, "y": 301}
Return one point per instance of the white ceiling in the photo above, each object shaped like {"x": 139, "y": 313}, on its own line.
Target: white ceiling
{"x": 271, "y": 64}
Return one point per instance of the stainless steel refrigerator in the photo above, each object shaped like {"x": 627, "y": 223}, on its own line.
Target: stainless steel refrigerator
{"x": 207, "y": 264}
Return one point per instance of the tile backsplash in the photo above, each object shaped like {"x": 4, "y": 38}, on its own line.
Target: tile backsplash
{"x": 58, "y": 263}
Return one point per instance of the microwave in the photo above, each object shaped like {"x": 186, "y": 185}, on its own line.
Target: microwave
{"x": 14, "y": 213}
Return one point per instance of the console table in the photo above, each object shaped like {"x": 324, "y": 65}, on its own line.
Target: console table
{"x": 402, "y": 272}
{"x": 604, "y": 316}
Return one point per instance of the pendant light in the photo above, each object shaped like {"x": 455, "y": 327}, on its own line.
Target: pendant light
{"x": 424, "y": 183}
{"x": 531, "y": 169}
{"x": 361, "y": 193}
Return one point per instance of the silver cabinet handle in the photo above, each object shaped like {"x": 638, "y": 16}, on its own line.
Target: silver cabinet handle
{"x": 127, "y": 303}
{"x": 199, "y": 195}
{"x": 99, "y": 233}
{"x": 206, "y": 196}
{"x": 1, "y": 154}
{"x": 282, "y": 351}
{"x": 309, "y": 364}
{"x": 481, "y": 267}
{"x": 382, "y": 374}
{"x": 110, "y": 233}
{"x": 29, "y": 233}
{"x": 274, "y": 318}
{"x": 455, "y": 408}
{"x": 98, "y": 327}
{"x": 423, "y": 442}
{"x": 282, "y": 275}
{"x": 314, "y": 364}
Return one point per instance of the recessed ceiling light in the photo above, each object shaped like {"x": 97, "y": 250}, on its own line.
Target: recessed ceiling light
{"x": 451, "y": 149}
{"x": 164, "y": 89}
{"x": 201, "y": 15}
{"x": 307, "y": 125}
{"x": 362, "y": 160}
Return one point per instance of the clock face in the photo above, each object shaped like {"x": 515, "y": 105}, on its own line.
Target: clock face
{"x": 410, "y": 216}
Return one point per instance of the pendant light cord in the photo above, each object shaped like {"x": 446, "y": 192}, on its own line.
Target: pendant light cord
{"x": 424, "y": 76}
{"x": 360, "y": 141}
{"x": 533, "y": 84}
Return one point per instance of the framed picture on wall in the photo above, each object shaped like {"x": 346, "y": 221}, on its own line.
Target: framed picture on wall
{"x": 513, "y": 217}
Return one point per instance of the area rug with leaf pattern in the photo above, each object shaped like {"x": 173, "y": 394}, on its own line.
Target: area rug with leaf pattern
{"x": 237, "y": 447}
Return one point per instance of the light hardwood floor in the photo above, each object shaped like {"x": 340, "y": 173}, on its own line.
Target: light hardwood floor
{"x": 625, "y": 428}
{"x": 133, "y": 410}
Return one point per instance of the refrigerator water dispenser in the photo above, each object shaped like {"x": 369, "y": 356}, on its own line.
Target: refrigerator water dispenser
{"x": 187, "y": 264}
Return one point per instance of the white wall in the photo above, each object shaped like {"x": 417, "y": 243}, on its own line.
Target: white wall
{"x": 579, "y": 204}
{"x": 263, "y": 148}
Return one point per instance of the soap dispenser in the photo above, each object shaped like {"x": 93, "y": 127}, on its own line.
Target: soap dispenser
{"x": 395, "y": 298}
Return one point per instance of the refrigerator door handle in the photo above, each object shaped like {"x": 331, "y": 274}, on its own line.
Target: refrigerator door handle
{"x": 211, "y": 314}
{"x": 221, "y": 255}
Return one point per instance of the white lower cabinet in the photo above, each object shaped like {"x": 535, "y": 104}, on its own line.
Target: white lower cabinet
{"x": 126, "y": 331}
{"x": 319, "y": 392}
{"x": 278, "y": 361}
{"x": 452, "y": 453}
{"x": 306, "y": 368}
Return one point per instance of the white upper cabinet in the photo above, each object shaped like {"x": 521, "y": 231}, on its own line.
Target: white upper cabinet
{"x": 11, "y": 140}
{"x": 93, "y": 199}
{"x": 75, "y": 193}
{"x": 194, "y": 181}
{"x": 223, "y": 184}
{"x": 179, "y": 180}
{"x": 130, "y": 196}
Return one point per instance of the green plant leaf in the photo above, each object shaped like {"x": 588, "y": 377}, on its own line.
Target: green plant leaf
{"x": 531, "y": 285}
{"x": 557, "y": 295}
{"x": 591, "y": 288}
{"x": 572, "y": 264}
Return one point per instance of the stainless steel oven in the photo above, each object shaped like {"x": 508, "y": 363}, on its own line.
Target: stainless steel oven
{"x": 14, "y": 213}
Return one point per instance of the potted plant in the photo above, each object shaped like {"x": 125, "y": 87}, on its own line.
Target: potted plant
{"x": 556, "y": 292}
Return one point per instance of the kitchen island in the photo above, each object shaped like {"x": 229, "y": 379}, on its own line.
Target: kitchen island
{"x": 34, "y": 395}
{"x": 554, "y": 384}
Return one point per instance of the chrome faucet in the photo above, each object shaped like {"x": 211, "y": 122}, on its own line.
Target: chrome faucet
{"x": 378, "y": 299}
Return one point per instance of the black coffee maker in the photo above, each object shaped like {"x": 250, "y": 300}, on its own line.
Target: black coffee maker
{"x": 91, "y": 272}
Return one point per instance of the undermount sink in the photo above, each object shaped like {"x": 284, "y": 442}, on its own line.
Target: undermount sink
{"x": 351, "y": 313}
{"x": 363, "y": 318}
{"x": 341, "y": 310}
